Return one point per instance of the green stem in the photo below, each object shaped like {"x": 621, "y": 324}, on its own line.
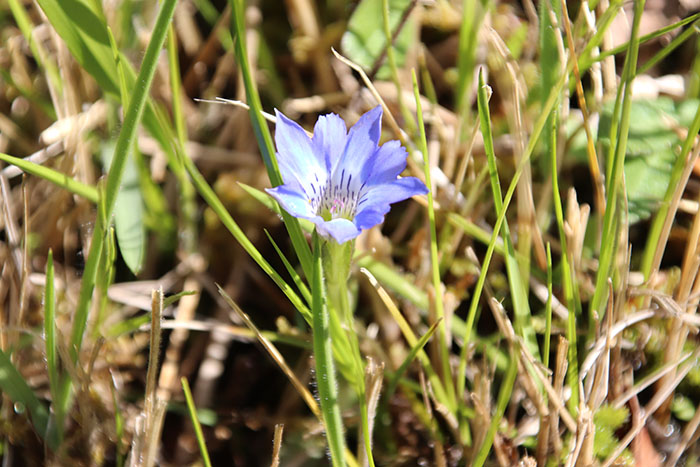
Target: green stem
{"x": 325, "y": 369}
{"x": 336, "y": 260}
{"x": 437, "y": 284}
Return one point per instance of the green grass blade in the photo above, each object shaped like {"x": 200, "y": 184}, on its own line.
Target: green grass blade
{"x": 568, "y": 274}
{"x": 472, "y": 15}
{"x": 657, "y": 238}
{"x": 295, "y": 277}
{"x": 666, "y": 50}
{"x": 262, "y": 134}
{"x": 447, "y": 377}
{"x": 583, "y": 65}
{"x": 415, "y": 349}
{"x": 13, "y": 384}
{"x": 57, "y": 178}
{"x": 325, "y": 369}
{"x": 504, "y": 394}
{"x": 26, "y": 26}
{"x": 614, "y": 176}
{"x": 82, "y": 27}
{"x": 50, "y": 324}
{"x": 518, "y": 289}
{"x": 391, "y": 60}
{"x": 218, "y": 207}
{"x": 56, "y": 428}
{"x": 534, "y": 137}
{"x": 187, "y": 191}
{"x": 121, "y": 152}
{"x": 548, "y": 310}
{"x": 195, "y": 422}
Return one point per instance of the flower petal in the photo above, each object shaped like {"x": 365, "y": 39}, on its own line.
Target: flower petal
{"x": 369, "y": 124}
{"x": 292, "y": 201}
{"x": 387, "y": 164}
{"x": 299, "y": 160}
{"x": 360, "y": 147}
{"x": 368, "y": 218}
{"x": 330, "y": 135}
{"x": 378, "y": 198}
{"x": 340, "y": 229}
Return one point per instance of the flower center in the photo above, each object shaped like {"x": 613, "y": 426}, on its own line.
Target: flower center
{"x": 338, "y": 199}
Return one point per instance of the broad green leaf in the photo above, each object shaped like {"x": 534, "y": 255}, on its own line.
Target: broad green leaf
{"x": 652, "y": 150}
{"x": 128, "y": 213}
{"x": 364, "y": 40}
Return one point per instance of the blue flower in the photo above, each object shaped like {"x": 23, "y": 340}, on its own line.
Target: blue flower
{"x": 340, "y": 180}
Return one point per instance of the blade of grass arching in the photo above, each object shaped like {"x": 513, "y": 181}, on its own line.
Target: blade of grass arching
{"x": 220, "y": 210}
{"x": 325, "y": 368}
{"x": 124, "y": 143}
{"x": 447, "y": 377}
{"x": 13, "y": 384}
{"x": 262, "y": 133}
{"x": 643, "y": 39}
{"x": 50, "y": 341}
{"x": 295, "y": 277}
{"x": 398, "y": 283}
{"x": 518, "y": 291}
{"x": 504, "y": 394}
{"x": 666, "y": 50}
{"x": 410, "y": 337}
{"x": 609, "y": 244}
{"x": 568, "y": 274}
{"x": 192, "y": 409}
{"x": 661, "y": 225}
{"x": 87, "y": 286}
{"x": 57, "y": 178}
{"x": 415, "y": 348}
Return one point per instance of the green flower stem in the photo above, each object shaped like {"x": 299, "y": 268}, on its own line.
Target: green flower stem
{"x": 325, "y": 369}
{"x": 336, "y": 260}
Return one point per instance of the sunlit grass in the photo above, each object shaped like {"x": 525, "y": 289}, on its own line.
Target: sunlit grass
{"x": 534, "y": 297}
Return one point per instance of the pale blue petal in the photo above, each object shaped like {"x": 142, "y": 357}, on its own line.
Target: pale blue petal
{"x": 299, "y": 160}
{"x": 369, "y": 124}
{"x": 340, "y": 229}
{"x": 378, "y": 198}
{"x": 347, "y": 176}
{"x": 368, "y": 218}
{"x": 387, "y": 163}
{"x": 330, "y": 135}
{"x": 293, "y": 201}
{"x": 362, "y": 141}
